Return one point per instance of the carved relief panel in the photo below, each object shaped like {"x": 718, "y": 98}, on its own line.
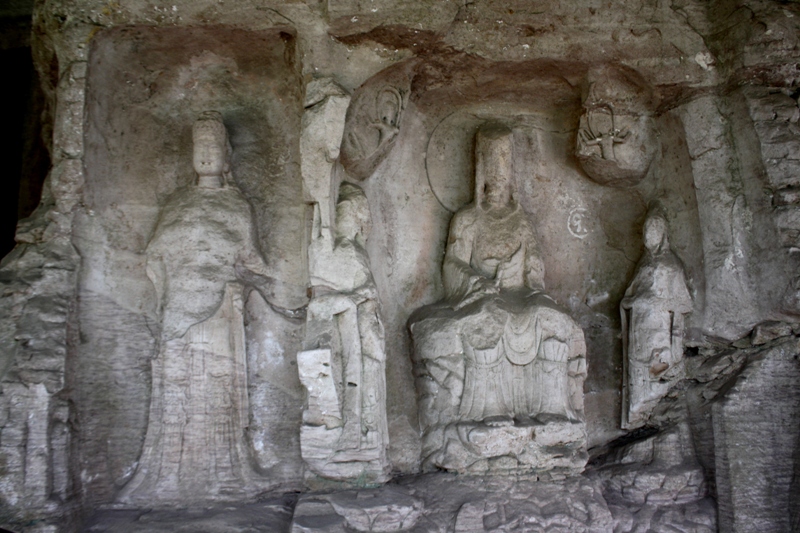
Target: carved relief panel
{"x": 616, "y": 140}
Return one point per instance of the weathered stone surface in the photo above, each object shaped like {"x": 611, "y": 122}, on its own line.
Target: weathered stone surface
{"x": 616, "y": 137}
{"x": 436, "y": 502}
{"x": 756, "y": 434}
{"x": 322, "y": 128}
{"x": 653, "y": 312}
{"x": 386, "y": 509}
{"x": 343, "y": 366}
{"x": 200, "y": 259}
{"x": 500, "y": 367}
{"x": 769, "y": 331}
{"x": 656, "y": 482}
{"x": 271, "y": 515}
{"x": 79, "y": 320}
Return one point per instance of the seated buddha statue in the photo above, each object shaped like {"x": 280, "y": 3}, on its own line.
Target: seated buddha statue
{"x": 497, "y": 352}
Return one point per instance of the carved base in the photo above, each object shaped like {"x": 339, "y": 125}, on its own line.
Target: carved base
{"x": 500, "y": 386}
{"x": 531, "y": 447}
{"x": 334, "y": 443}
{"x": 359, "y": 465}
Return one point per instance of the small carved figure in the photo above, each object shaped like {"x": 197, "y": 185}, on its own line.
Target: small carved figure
{"x": 653, "y": 311}
{"x": 200, "y": 259}
{"x": 599, "y": 128}
{"x": 345, "y": 433}
{"x": 498, "y": 356}
{"x": 372, "y": 126}
{"x": 320, "y": 141}
{"x": 616, "y": 139}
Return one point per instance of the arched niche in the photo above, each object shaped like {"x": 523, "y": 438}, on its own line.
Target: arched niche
{"x": 590, "y": 234}
{"x": 146, "y": 87}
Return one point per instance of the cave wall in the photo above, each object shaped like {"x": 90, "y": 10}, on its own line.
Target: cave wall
{"x": 123, "y": 82}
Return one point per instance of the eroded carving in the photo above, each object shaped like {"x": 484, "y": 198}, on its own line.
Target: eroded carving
{"x": 382, "y": 510}
{"x": 322, "y": 129}
{"x": 616, "y": 138}
{"x": 344, "y": 434}
{"x": 500, "y": 366}
{"x": 201, "y": 258}
{"x": 653, "y": 311}
{"x": 373, "y": 122}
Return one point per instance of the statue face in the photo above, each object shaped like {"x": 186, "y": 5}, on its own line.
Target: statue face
{"x": 210, "y": 152}
{"x": 352, "y": 221}
{"x": 655, "y": 231}
{"x": 494, "y": 166}
{"x": 497, "y": 190}
{"x": 346, "y": 223}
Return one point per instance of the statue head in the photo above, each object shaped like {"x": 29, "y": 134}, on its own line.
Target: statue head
{"x": 655, "y": 233}
{"x": 352, "y": 214}
{"x": 211, "y": 149}
{"x": 494, "y": 165}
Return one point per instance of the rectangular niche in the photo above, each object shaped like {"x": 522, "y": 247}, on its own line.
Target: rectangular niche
{"x": 146, "y": 86}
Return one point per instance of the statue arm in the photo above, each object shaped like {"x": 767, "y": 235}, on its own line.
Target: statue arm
{"x": 458, "y": 276}
{"x": 367, "y": 291}
{"x": 639, "y": 288}
{"x": 627, "y": 298}
{"x": 534, "y": 265}
{"x": 682, "y": 297}
{"x": 250, "y": 267}
{"x": 157, "y": 272}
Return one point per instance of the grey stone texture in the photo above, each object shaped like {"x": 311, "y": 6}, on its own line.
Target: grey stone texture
{"x": 499, "y": 365}
{"x": 756, "y": 432}
{"x": 389, "y": 95}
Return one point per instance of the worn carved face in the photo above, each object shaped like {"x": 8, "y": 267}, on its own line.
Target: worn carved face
{"x": 655, "y": 231}
{"x": 351, "y": 221}
{"x": 347, "y": 225}
{"x": 210, "y": 152}
{"x": 497, "y": 191}
{"x": 494, "y": 166}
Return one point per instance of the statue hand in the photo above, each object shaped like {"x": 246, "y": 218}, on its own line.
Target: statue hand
{"x": 480, "y": 286}
{"x": 512, "y": 268}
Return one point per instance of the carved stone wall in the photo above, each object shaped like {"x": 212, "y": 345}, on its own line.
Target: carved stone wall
{"x": 616, "y": 110}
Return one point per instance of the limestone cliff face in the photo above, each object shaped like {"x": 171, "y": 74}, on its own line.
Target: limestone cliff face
{"x": 700, "y": 121}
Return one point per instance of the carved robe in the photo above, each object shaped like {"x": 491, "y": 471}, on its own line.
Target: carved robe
{"x": 199, "y": 259}
{"x": 510, "y": 369}
{"x": 345, "y": 432}
{"x": 658, "y": 299}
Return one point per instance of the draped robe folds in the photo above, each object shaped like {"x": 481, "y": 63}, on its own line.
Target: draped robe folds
{"x": 344, "y": 316}
{"x": 200, "y": 259}
{"x": 517, "y": 342}
{"x": 657, "y": 299}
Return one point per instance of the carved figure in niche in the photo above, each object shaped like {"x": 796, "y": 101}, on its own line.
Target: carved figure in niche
{"x": 371, "y": 128}
{"x": 616, "y": 137}
{"x": 201, "y": 258}
{"x": 498, "y": 361}
{"x": 653, "y": 311}
{"x": 344, "y": 434}
{"x": 320, "y": 141}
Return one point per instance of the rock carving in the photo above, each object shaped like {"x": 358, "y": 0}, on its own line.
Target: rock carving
{"x": 616, "y": 138}
{"x": 377, "y": 510}
{"x": 500, "y": 366}
{"x": 373, "y": 122}
{"x": 201, "y": 258}
{"x": 344, "y": 434}
{"x": 652, "y": 312}
{"x": 322, "y": 129}
{"x": 380, "y": 510}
